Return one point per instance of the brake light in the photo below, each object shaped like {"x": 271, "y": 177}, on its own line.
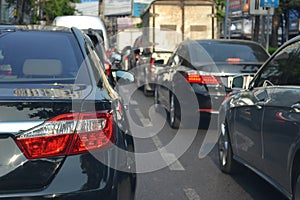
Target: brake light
{"x": 152, "y": 60}
{"x": 233, "y": 60}
{"x": 107, "y": 66}
{"x": 209, "y": 110}
{"x": 67, "y": 134}
{"x": 195, "y": 77}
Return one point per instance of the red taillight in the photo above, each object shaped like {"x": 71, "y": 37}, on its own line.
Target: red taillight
{"x": 67, "y": 134}
{"x": 209, "y": 110}
{"x": 107, "y": 66}
{"x": 195, "y": 77}
{"x": 152, "y": 60}
{"x": 94, "y": 131}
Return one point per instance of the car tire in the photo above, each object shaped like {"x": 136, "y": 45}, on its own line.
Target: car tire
{"x": 156, "y": 99}
{"x": 138, "y": 83}
{"x": 226, "y": 161}
{"x": 146, "y": 92}
{"x": 296, "y": 187}
{"x": 174, "y": 112}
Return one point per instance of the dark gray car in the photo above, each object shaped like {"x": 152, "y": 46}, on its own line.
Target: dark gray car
{"x": 260, "y": 126}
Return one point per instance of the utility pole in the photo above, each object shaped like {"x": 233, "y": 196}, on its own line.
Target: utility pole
{"x": 0, "y": 11}
{"x": 226, "y": 19}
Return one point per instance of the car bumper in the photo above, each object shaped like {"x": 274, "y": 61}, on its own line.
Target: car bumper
{"x": 81, "y": 177}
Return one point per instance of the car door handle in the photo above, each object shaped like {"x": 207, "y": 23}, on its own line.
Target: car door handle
{"x": 296, "y": 107}
{"x": 259, "y": 104}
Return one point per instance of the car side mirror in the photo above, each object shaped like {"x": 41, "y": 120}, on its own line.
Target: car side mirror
{"x": 176, "y": 60}
{"x": 237, "y": 82}
{"x": 159, "y": 62}
{"x": 123, "y": 77}
{"x": 241, "y": 81}
{"x": 137, "y": 51}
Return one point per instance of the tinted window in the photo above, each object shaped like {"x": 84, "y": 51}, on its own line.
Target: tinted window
{"x": 294, "y": 72}
{"x": 277, "y": 71}
{"x": 228, "y": 51}
{"x": 30, "y": 55}
{"x": 227, "y": 57}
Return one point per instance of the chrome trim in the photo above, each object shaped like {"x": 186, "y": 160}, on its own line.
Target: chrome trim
{"x": 15, "y": 127}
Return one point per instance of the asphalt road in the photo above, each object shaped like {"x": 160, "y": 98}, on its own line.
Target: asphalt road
{"x": 182, "y": 174}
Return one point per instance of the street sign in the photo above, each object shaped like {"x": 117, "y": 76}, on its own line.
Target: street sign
{"x": 269, "y": 3}
{"x": 256, "y": 9}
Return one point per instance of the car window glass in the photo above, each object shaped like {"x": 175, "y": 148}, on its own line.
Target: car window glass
{"x": 198, "y": 55}
{"x": 277, "y": 71}
{"x": 50, "y": 57}
{"x": 94, "y": 60}
{"x": 294, "y": 72}
{"x": 176, "y": 60}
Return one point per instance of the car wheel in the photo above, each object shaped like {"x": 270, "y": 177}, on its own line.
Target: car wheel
{"x": 156, "y": 99}
{"x": 174, "y": 112}
{"x": 226, "y": 161}
{"x": 296, "y": 188}
{"x": 146, "y": 92}
{"x": 138, "y": 83}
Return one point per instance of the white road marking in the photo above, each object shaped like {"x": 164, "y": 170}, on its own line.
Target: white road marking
{"x": 145, "y": 121}
{"x": 191, "y": 194}
{"x": 133, "y": 102}
{"x": 157, "y": 142}
{"x": 170, "y": 158}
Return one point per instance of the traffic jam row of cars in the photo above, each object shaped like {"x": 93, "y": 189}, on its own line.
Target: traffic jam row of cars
{"x": 255, "y": 96}
{"x": 64, "y": 130}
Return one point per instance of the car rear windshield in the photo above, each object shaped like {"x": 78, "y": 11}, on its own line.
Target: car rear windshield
{"x": 227, "y": 57}
{"x": 38, "y": 55}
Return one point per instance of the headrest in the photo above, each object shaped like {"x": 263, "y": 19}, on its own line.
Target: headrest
{"x": 42, "y": 67}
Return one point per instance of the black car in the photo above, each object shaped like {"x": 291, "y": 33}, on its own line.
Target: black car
{"x": 259, "y": 125}
{"x": 203, "y": 70}
{"x": 63, "y": 130}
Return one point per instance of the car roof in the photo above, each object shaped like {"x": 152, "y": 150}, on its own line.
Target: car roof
{"x": 12, "y": 28}
{"x": 235, "y": 41}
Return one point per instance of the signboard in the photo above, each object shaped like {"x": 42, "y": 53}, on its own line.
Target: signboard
{"x": 256, "y": 9}
{"x": 138, "y": 9}
{"x": 235, "y": 7}
{"x": 117, "y": 7}
{"x": 124, "y": 22}
{"x": 139, "y": 6}
{"x": 87, "y": 8}
{"x": 269, "y": 3}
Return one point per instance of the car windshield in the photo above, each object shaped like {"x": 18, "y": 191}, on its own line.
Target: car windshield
{"x": 225, "y": 57}
{"x": 29, "y": 56}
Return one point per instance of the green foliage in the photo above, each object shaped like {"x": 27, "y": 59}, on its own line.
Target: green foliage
{"x": 54, "y": 8}
{"x": 220, "y": 6}
{"x": 272, "y": 50}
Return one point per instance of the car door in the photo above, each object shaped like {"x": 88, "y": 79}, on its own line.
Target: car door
{"x": 282, "y": 114}
{"x": 164, "y": 79}
{"x": 248, "y": 113}
{"x": 253, "y": 110}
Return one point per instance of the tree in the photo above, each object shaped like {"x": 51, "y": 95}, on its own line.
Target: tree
{"x": 275, "y": 27}
{"x": 54, "y": 8}
{"x": 23, "y": 9}
{"x": 282, "y": 14}
{"x": 220, "y": 6}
